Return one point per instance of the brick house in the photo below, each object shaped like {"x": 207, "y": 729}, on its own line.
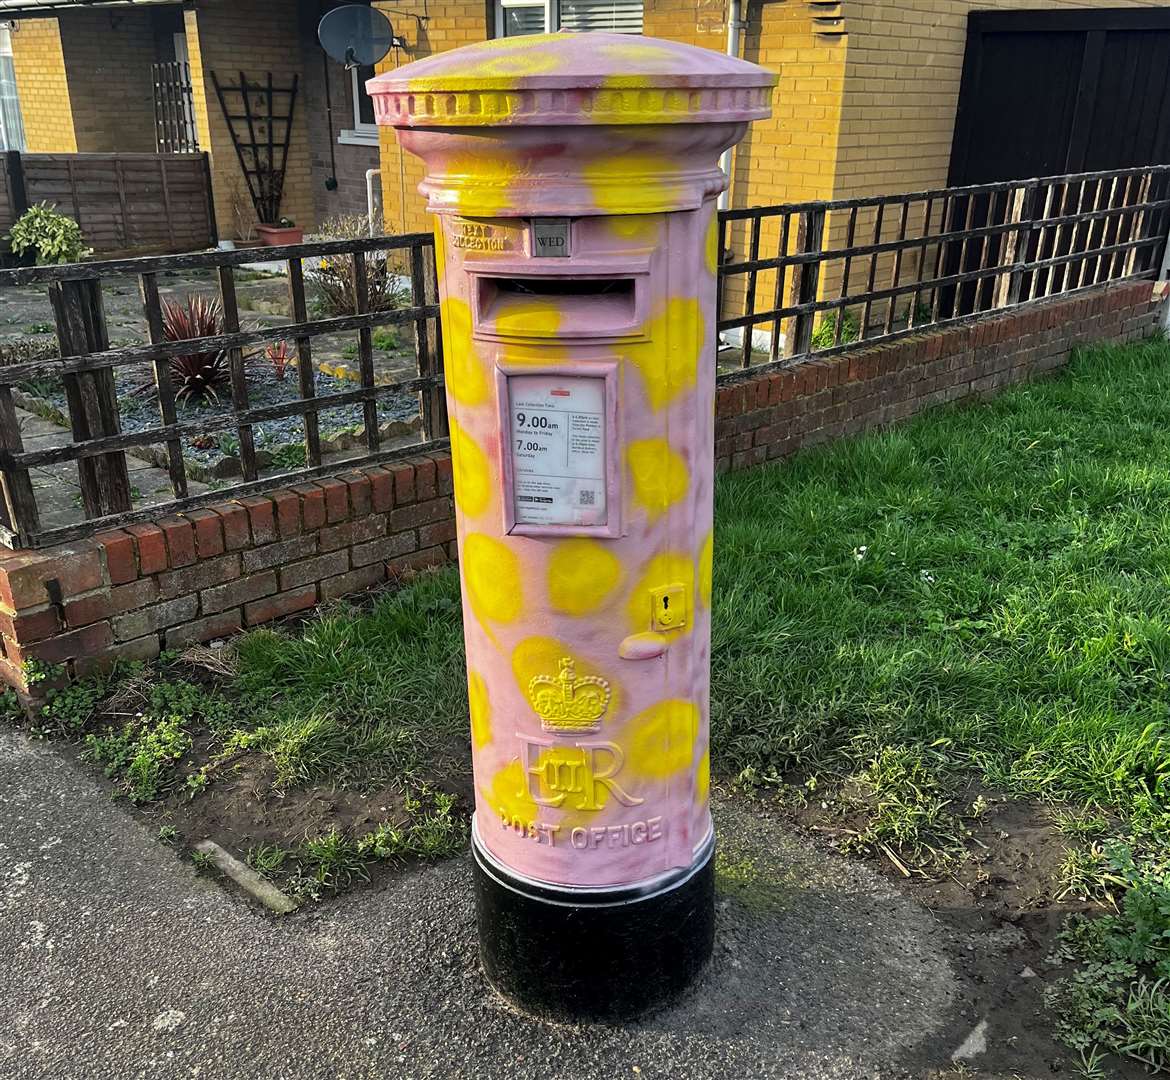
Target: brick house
{"x": 85, "y": 82}
{"x": 868, "y": 91}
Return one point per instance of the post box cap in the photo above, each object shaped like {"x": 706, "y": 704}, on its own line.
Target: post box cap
{"x": 572, "y": 78}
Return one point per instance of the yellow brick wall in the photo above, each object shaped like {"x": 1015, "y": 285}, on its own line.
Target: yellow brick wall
{"x": 41, "y": 85}
{"x": 902, "y": 75}
{"x": 450, "y": 24}
{"x": 253, "y": 36}
{"x": 108, "y": 55}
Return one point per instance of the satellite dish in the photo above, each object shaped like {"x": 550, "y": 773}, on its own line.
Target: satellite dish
{"x": 356, "y": 35}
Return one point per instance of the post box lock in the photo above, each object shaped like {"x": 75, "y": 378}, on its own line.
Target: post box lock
{"x": 668, "y": 607}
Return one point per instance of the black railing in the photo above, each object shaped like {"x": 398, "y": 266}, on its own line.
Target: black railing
{"x": 852, "y": 270}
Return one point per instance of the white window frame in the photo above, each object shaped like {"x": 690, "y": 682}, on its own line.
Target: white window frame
{"x": 502, "y": 5}
{"x": 360, "y": 134}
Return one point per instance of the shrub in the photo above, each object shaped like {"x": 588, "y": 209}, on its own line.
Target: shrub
{"x": 197, "y": 376}
{"x": 825, "y": 335}
{"x": 54, "y": 237}
{"x": 333, "y": 276}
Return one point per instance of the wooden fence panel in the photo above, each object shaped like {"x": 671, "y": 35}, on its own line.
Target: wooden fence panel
{"x": 126, "y": 204}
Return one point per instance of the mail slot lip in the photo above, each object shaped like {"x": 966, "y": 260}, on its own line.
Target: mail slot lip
{"x": 628, "y": 326}
{"x": 606, "y": 369}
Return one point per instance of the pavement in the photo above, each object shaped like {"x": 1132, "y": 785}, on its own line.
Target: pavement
{"x": 120, "y": 961}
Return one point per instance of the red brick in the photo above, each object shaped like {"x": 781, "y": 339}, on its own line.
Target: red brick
{"x": 22, "y": 580}
{"x": 285, "y": 603}
{"x": 180, "y": 537}
{"x": 121, "y": 564}
{"x": 444, "y": 474}
{"x": 419, "y": 560}
{"x": 148, "y": 620}
{"x": 30, "y": 626}
{"x": 353, "y": 532}
{"x": 381, "y": 490}
{"x": 144, "y": 648}
{"x": 288, "y": 513}
{"x": 297, "y": 547}
{"x": 32, "y": 579}
{"x": 78, "y": 569}
{"x": 410, "y": 517}
{"x": 222, "y": 597}
{"x": 315, "y": 569}
{"x": 364, "y": 577}
{"x": 261, "y": 517}
{"x": 151, "y": 545}
{"x": 388, "y": 547}
{"x": 208, "y": 533}
{"x": 82, "y": 610}
{"x": 312, "y": 506}
{"x": 424, "y": 479}
{"x": 213, "y": 626}
{"x": 403, "y": 484}
{"x": 202, "y": 575}
{"x": 236, "y": 532}
{"x": 336, "y": 500}
{"x": 55, "y": 650}
{"x": 438, "y": 532}
{"x": 359, "y": 493}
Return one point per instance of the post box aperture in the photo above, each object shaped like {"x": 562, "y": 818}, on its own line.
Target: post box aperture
{"x": 574, "y": 179}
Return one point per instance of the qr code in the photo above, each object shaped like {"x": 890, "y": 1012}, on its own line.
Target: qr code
{"x": 585, "y": 497}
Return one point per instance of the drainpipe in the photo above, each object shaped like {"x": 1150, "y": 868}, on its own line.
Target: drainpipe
{"x": 734, "y": 25}
{"x": 370, "y": 174}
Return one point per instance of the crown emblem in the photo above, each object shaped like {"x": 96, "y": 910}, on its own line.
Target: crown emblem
{"x": 565, "y": 703}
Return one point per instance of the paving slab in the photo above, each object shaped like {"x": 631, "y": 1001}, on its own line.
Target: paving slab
{"x": 121, "y": 961}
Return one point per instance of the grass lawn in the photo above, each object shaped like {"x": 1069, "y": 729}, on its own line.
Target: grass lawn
{"x": 909, "y": 628}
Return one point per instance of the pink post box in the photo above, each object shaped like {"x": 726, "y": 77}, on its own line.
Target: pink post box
{"x": 574, "y": 178}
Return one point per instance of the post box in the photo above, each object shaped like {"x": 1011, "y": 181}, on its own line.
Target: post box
{"x": 574, "y": 178}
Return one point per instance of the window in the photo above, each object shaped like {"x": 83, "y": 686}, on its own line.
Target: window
{"x": 11, "y": 125}
{"x": 364, "y": 131}
{"x": 516, "y": 17}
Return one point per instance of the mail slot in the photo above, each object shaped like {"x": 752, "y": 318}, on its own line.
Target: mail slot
{"x": 573, "y": 178}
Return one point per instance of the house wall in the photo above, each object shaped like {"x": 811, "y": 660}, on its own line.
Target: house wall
{"x": 39, "y": 63}
{"x": 253, "y": 36}
{"x": 108, "y": 55}
{"x": 350, "y": 161}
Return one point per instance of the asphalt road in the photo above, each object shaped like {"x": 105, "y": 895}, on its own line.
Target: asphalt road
{"x": 118, "y": 960}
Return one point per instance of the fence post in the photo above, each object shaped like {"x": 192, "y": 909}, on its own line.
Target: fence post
{"x": 810, "y": 237}
{"x": 1164, "y": 281}
{"x": 424, "y": 290}
{"x": 92, "y": 396}
{"x": 14, "y": 165}
{"x": 212, "y": 224}
{"x": 1017, "y": 243}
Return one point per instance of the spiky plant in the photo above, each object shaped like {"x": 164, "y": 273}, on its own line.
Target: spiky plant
{"x": 197, "y": 376}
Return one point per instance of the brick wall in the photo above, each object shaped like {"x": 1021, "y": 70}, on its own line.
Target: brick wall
{"x": 39, "y": 64}
{"x": 767, "y": 416}
{"x": 111, "y": 91}
{"x": 253, "y": 36}
{"x": 207, "y": 573}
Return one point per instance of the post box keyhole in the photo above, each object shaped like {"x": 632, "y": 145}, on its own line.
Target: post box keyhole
{"x": 669, "y": 610}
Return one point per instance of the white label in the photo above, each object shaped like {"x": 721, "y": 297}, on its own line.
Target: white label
{"x": 558, "y": 449}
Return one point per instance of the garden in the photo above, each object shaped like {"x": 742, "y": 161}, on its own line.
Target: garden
{"x": 202, "y": 380}
{"x": 943, "y": 648}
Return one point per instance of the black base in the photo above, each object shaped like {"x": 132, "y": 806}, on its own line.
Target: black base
{"x": 567, "y": 954}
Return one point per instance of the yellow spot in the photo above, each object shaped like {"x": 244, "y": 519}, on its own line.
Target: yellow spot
{"x": 658, "y": 474}
{"x": 669, "y": 361}
{"x": 480, "y": 709}
{"x": 705, "y": 553}
{"x": 465, "y": 375}
{"x": 535, "y": 318}
{"x": 581, "y": 576}
{"x": 660, "y": 742}
{"x": 640, "y": 227}
{"x": 625, "y": 182}
{"x": 509, "y": 796}
{"x": 491, "y": 573}
{"x": 473, "y": 480}
{"x": 543, "y": 655}
{"x": 666, "y": 569}
{"x": 711, "y": 246}
{"x": 480, "y": 186}
{"x": 703, "y": 778}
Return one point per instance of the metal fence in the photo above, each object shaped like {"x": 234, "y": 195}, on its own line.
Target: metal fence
{"x": 87, "y": 364}
{"x": 857, "y": 270}
{"x": 843, "y": 273}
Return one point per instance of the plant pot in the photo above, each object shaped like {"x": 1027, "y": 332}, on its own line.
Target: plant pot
{"x": 275, "y": 236}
